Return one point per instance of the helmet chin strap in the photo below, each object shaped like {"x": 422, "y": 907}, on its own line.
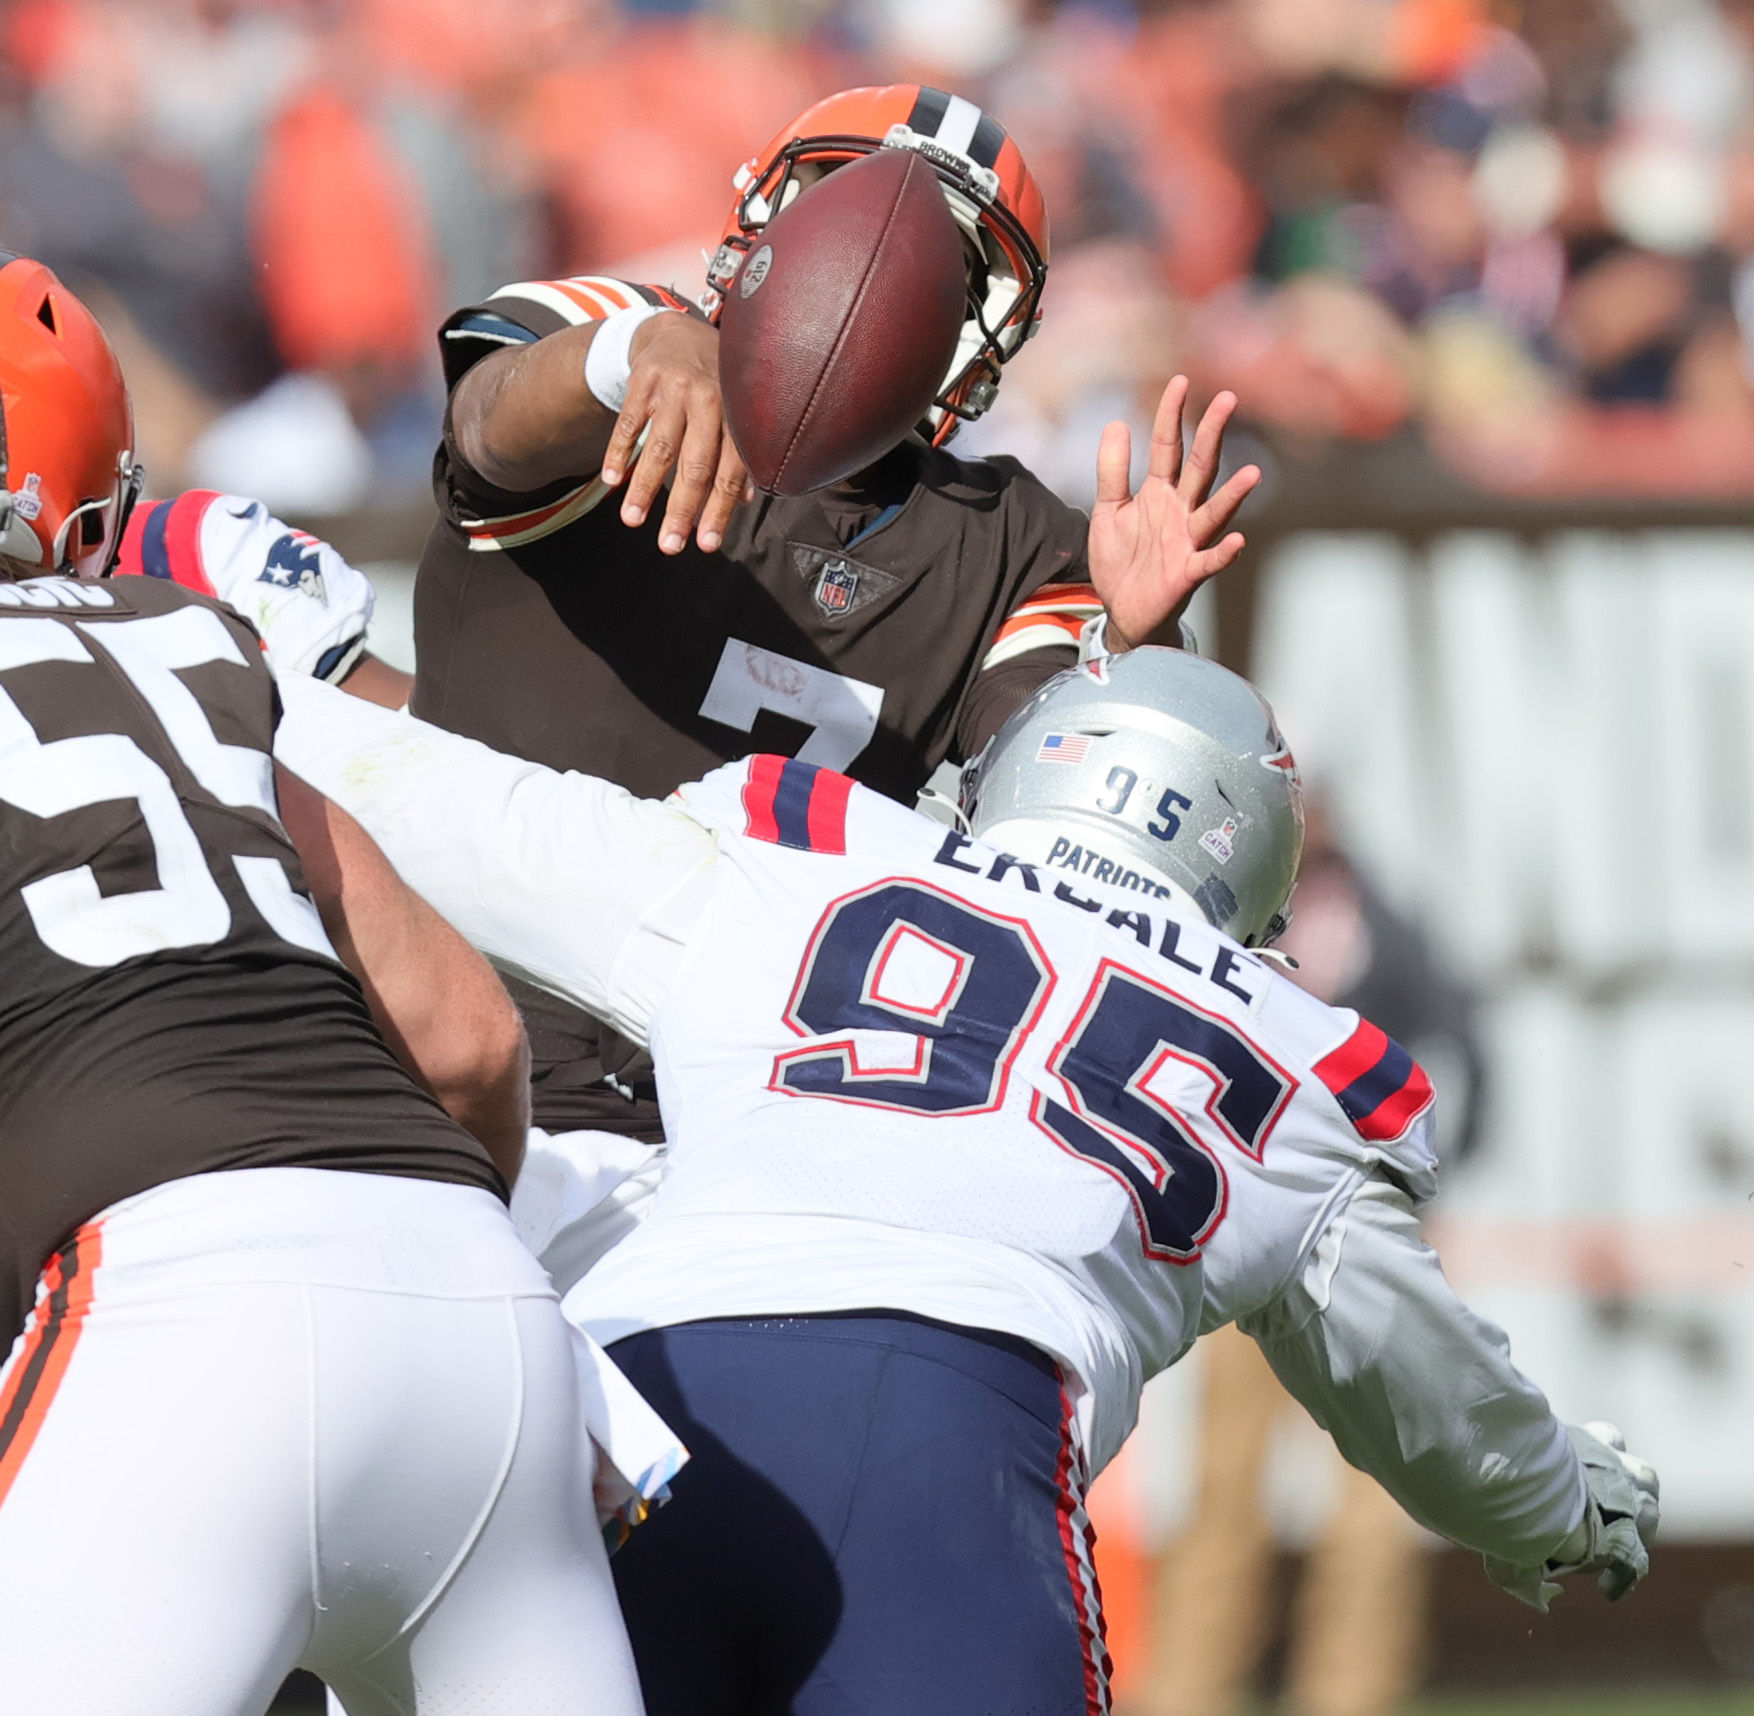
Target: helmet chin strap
{"x": 73, "y": 519}
{"x": 130, "y": 478}
{"x": 959, "y": 816}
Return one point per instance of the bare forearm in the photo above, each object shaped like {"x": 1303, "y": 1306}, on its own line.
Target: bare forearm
{"x": 377, "y": 682}
{"x": 448, "y": 1019}
{"x": 524, "y": 417}
{"x": 492, "y": 1103}
{"x": 442, "y": 1011}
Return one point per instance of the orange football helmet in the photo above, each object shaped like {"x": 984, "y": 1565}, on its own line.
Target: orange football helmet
{"x": 992, "y": 194}
{"x": 68, "y": 479}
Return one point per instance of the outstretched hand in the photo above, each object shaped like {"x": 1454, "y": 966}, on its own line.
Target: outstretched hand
{"x": 1150, "y": 551}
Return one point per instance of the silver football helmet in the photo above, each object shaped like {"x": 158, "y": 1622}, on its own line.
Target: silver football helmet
{"x": 1154, "y": 770}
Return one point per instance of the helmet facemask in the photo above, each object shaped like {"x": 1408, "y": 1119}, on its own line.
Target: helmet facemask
{"x": 1006, "y": 276}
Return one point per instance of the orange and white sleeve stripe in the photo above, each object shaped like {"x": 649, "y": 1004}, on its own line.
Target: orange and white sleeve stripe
{"x": 581, "y": 299}
{"x": 1055, "y": 615}
{"x": 586, "y": 297}
{"x": 514, "y": 529}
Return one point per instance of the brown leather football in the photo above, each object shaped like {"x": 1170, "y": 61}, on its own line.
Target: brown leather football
{"x": 840, "y": 326}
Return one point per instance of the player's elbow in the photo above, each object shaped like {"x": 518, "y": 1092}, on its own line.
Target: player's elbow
{"x": 479, "y": 419}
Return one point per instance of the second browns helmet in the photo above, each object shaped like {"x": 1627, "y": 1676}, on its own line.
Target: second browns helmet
{"x": 67, "y": 473}
{"x": 991, "y": 193}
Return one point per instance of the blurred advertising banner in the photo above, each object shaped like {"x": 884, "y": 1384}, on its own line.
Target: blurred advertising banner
{"x": 1540, "y": 747}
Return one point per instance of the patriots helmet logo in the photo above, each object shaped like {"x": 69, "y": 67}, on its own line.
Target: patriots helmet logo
{"x": 295, "y": 563}
{"x": 1280, "y": 757}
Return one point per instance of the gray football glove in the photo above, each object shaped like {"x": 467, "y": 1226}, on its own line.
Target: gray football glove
{"x": 1619, "y": 1524}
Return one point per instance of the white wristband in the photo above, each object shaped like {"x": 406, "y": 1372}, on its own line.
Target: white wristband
{"x": 1093, "y": 639}
{"x": 607, "y": 362}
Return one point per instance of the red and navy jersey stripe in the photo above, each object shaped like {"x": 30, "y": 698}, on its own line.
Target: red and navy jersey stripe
{"x": 1380, "y": 1086}
{"x": 163, "y": 540}
{"x": 796, "y": 804}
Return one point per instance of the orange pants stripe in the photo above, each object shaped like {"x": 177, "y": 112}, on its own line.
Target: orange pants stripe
{"x": 29, "y": 1387}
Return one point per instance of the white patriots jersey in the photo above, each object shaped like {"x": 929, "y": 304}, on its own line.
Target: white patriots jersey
{"x": 902, "y": 1070}
{"x": 309, "y": 605}
{"x": 898, "y": 1069}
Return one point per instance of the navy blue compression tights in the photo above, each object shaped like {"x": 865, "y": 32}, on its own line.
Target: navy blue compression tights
{"x": 882, "y": 1517}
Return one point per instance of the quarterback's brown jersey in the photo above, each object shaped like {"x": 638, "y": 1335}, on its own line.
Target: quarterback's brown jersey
{"x": 848, "y": 627}
{"x": 872, "y": 629}
{"x": 170, "y": 1004}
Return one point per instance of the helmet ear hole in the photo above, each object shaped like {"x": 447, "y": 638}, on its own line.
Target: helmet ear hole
{"x": 91, "y": 526}
{"x": 46, "y": 315}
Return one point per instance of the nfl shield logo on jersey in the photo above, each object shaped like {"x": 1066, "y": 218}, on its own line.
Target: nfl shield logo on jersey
{"x": 836, "y": 586}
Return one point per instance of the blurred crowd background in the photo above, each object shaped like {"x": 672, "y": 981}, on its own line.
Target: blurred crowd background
{"x": 1482, "y": 272}
{"x": 1520, "y": 229}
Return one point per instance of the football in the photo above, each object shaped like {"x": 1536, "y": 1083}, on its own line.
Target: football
{"x": 840, "y": 326}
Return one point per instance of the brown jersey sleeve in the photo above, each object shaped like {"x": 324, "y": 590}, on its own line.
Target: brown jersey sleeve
{"x": 998, "y": 692}
{"x": 1051, "y": 602}
{"x": 1046, "y": 538}
{"x": 520, "y": 315}
{"x": 533, "y": 309}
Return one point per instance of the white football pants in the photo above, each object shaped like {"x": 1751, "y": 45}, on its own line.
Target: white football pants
{"x": 291, "y": 1417}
